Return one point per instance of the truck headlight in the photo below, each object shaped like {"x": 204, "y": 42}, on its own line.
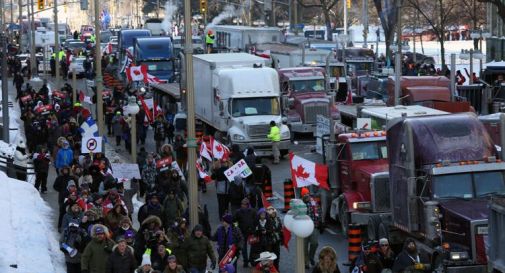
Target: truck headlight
{"x": 238, "y": 137}
{"x": 458, "y": 256}
{"x": 361, "y": 205}
{"x": 285, "y": 134}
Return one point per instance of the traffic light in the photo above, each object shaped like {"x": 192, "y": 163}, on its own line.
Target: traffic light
{"x": 348, "y": 4}
{"x": 40, "y": 4}
{"x": 203, "y": 6}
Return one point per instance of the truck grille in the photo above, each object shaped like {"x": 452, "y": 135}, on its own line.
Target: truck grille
{"x": 260, "y": 130}
{"x": 310, "y": 112}
{"x": 380, "y": 194}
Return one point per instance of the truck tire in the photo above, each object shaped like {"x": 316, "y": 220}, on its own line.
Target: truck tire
{"x": 344, "y": 217}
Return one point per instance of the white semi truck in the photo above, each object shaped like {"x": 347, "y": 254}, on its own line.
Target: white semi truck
{"x": 235, "y": 94}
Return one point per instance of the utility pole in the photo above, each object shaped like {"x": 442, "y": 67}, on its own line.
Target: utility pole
{"x": 345, "y": 16}
{"x": 33, "y": 61}
{"x": 191, "y": 141}
{"x": 398, "y": 58}
{"x": 20, "y": 21}
{"x": 98, "y": 71}
{"x": 365, "y": 23}
{"x": 56, "y": 45}
{"x": 5, "y": 90}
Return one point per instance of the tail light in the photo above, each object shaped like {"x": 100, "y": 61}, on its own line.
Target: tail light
{"x": 480, "y": 249}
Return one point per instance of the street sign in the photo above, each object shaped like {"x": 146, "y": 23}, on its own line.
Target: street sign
{"x": 240, "y": 168}
{"x": 91, "y": 145}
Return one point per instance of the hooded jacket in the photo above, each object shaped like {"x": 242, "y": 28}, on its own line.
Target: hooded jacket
{"x": 95, "y": 256}
{"x": 121, "y": 263}
{"x": 197, "y": 250}
{"x": 64, "y": 157}
{"x": 405, "y": 262}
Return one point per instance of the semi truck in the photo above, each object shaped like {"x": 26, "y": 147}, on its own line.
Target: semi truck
{"x": 305, "y": 97}
{"x": 362, "y": 168}
{"x": 242, "y": 38}
{"x": 157, "y": 54}
{"x": 237, "y": 96}
{"x": 442, "y": 170}
{"x": 495, "y": 237}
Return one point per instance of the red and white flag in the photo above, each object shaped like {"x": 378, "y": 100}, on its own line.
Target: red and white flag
{"x": 348, "y": 100}
{"x": 136, "y": 73}
{"x": 146, "y": 109}
{"x": 305, "y": 173}
{"x": 156, "y": 110}
{"x": 107, "y": 49}
{"x": 205, "y": 151}
{"x": 201, "y": 172}
{"x": 219, "y": 151}
{"x": 152, "y": 79}
{"x": 81, "y": 96}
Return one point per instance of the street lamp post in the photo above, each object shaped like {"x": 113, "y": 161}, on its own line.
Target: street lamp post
{"x": 56, "y": 45}
{"x": 298, "y": 222}
{"x": 132, "y": 109}
{"x": 98, "y": 71}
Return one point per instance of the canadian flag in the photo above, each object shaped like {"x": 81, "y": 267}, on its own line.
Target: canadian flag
{"x": 205, "y": 151}
{"x": 136, "y": 73}
{"x": 146, "y": 109}
{"x": 219, "y": 151}
{"x": 156, "y": 109}
{"x": 305, "y": 173}
{"x": 201, "y": 172}
{"x": 152, "y": 79}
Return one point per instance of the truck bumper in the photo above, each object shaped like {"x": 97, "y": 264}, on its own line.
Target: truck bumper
{"x": 361, "y": 218}
{"x": 298, "y": 127}
{"x": 467, "y": 269}
{"x": 263, "y": 148}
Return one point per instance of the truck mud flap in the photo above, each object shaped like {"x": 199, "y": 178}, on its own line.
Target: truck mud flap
{"x": 467, "y": 269}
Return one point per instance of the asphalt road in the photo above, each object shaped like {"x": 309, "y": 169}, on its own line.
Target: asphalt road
{"x": 331, "y": 237}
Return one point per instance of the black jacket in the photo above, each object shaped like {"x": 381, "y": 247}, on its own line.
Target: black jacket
{"x": 121, "y": 263}
{"x": 246, "y": 219}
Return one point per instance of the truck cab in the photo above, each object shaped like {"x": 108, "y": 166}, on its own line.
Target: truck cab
{"x": 157, "y": 54}
{"x": 442, "y": 171}
{"x": 304, "y": 96}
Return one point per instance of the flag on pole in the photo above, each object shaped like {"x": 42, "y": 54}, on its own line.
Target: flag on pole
{"x": 89, "y": 128}
{"x": 201, "y": 172}
{"x": 286, "y": 236}
{"x": 136, "y": 73}
{"x": 205, "y": 151}
{"x": 149, "y": 115}
{"x": 305, "y": 173}
{"x": 219, "y": 151}
{"x": 128, "y": 60}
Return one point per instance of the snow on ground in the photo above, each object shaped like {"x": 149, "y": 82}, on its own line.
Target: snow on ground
{"x": 28, "y": 242}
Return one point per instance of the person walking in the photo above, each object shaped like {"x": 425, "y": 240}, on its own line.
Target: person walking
{"x": 386, "y": 254}
{"x": 226, "y": 236}
{"x": 198, "y": 248}
{"x": 121, "y": 260}
{"x": 314, "y": 212}
{"x": 95, "y": 256}
{"x": 222, "y": 187}
{"x": 327, "y": 261}
{"x": 117, "y": 127}
{"x": 65, "y": 156}
{"x": 245, "y": 217}
{"x": 265, "y": 263}
{"x": 209, "y": 41}
{"x": 160, "y": 131}
{"x": 41, "y": 161}
{"x": 275, "y": 137}
{"x": 172, "y": 266}
{"x": 275, "y": 234}
{"x": 18, "y": 82}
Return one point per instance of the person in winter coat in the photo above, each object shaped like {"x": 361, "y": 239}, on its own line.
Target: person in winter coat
{"x": 327, "y": 261}
{"x": 172, "y": 210}
{"x": 151, "y": 208}
{"x": 127, "y": 194}
{"x": 167, "y": 151}
{"x": 386, "y": 254}
{"x": 18, "y": 82}
{"x": 125, "y": 225}
{"x": 159, "y": 257}
{"x": 121, "y": 260}
{"x": 245, "y": 218}
{"x": 368, "y": 261}
{"x": 160, "y": 131}
{"x": 64, "y": 156}
{"x": 236, "y": 154}
{"x": 117, "y": 127}
{"x": 95, "y": 256}
{"x": 61, "y": 182}
{"x": 227, "y": 235}
{"x": 265, "y": 263}
{"x": 41, "y": 162}
{"x": 145, "y": 266}
{"x": 74, "y": 214}
{"x": 173, "y": 266}
{"x": 275, "y": 234}
{"x": 76, "y": 237}
{"x": 146, "y": 237}
{"x": 237, "y": 193}
{"x": 69, "y": 197}
{"x": 181, "y": 152}
{"x": 409, "y": 260}
{"x": 178, "y": 236}
{"x": 198, "y": 248}
{"x": 114, "y": 217}
{"x": 148, "y": 175}
{"x": 222, "y": 186}
{"x": 261, "y": 235}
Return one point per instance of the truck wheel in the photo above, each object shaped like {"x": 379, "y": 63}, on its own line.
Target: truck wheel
{"x": 343, "y": 217}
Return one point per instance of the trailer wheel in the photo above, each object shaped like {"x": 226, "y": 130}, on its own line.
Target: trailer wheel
{"x": 344, "y": 216}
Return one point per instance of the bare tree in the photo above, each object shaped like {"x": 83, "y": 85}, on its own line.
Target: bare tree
{"x": 439, "y": 15}
{"x": 499, "y": 4}
{"x": 387, "y": 13}
{"x": 473, "y": 11}
{"x": 325, "y": 6}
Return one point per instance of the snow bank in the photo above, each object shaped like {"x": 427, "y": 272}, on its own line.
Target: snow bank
{"x": 28, "y": 240}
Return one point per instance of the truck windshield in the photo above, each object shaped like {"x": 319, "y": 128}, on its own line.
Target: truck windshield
{"x": 336, "y": 71}
{"x": 468, "y": 185}
{"x": 369, "y": 150}
{"x": 359, "y": 68}
{"x": 307, "y": 85}
{"x": 254, "y": 106}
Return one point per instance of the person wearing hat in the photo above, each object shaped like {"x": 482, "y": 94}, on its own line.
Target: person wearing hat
{"x": 314, "y": 212}
{"x": 64, "y": 156}
{"x": 121, "y": 260}
{"x": 368, "y": 260}
{"x": 226, "y": 236}
{"x": 151, "y": 208}
{"x": 327, "y": 261}
{"x": 275, "y": 234}
{"x": 172, "y": 266}
{"x": 260, "y": 234}
{"x": 386, "y": 254}
{"x": 198, "y": 248}
{"x": 95, "y": 256}
{"x": 245, "y": 217}
{"x": 160, "y": 126}
{"x": 145, "y": 266}
{"x": 117, "y": 127}
{"x": 178, "y": 234}
{"x": 265, "y": 263}
{"x": 159, "y": 257}
{"x": 74, "y": 214}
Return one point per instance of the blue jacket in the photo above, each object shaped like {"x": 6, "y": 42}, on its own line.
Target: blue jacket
{"x": 64, "y": 158}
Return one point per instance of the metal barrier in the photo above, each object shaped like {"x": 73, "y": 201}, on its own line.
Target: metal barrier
{"x": 476, "y": 94}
